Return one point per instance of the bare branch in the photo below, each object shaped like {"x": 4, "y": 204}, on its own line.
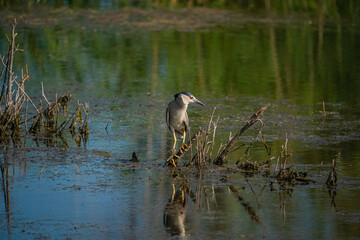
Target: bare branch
{"x": 221, "y": 158}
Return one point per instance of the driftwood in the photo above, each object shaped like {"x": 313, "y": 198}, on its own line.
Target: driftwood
{"x": 221, "y": 157}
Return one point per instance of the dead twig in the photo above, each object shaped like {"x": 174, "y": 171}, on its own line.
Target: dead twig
{"x": 221, "y": 158}
{"x": 259, "y": 135}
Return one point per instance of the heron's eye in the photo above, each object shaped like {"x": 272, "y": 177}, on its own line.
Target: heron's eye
{"x": 191, "y": 97}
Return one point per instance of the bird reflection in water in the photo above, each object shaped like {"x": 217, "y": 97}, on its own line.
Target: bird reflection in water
{"x": 175, "y": 213}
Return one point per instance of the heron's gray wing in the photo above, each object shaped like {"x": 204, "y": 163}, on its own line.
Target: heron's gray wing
{"x": 168, "y": 117}
{"x": 186, "y": 122}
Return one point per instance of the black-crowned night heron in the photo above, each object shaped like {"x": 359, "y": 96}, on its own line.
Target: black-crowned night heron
{"x": 176, "y": 115}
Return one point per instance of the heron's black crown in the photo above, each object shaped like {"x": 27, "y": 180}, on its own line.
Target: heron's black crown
{"x": 185, "y": 93}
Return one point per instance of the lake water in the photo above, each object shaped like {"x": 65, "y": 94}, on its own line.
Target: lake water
{"x": 128, "y": 75}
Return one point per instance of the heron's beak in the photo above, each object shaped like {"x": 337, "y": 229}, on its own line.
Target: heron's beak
{"x": 198, "y": 102}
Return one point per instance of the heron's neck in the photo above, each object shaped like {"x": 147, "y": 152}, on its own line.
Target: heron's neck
{"x": 181, "y": 103}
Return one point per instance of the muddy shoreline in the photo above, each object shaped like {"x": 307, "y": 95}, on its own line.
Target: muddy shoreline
{"x": 187, "y": 19}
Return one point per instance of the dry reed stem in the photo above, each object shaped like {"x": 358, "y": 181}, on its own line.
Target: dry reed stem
{"x": 13, "y": 101}
{"x": 332, "y": 178}
{"x": 43, "y": 94}
{"x": 27, "y": 96}
{"x": 284, "y": 153}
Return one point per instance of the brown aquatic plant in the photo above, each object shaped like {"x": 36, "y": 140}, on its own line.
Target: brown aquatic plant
{"x": 205, "y": 142}
{"x": 47, "y": 116}
{"x": 11, "y": 99}
{"x": 289, "y": 174}
{"x": 249, "y": 166}
{"x": 332, "y": 178}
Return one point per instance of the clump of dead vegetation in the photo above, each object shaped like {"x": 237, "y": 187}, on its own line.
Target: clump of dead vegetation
{"x": 51, "y": 117}
{"x": 283, "y": 172}
{"x": 205, "y": 139}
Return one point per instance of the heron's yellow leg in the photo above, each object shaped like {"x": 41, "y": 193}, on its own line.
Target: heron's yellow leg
{"x": 174, "y": 146}
{"x": 173, "y": 162}
{"x": 173, "y": 193}
{"x": 184, "y": 136}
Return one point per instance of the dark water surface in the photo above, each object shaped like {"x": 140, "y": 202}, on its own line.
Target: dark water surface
{"x": 59, "y": 189}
